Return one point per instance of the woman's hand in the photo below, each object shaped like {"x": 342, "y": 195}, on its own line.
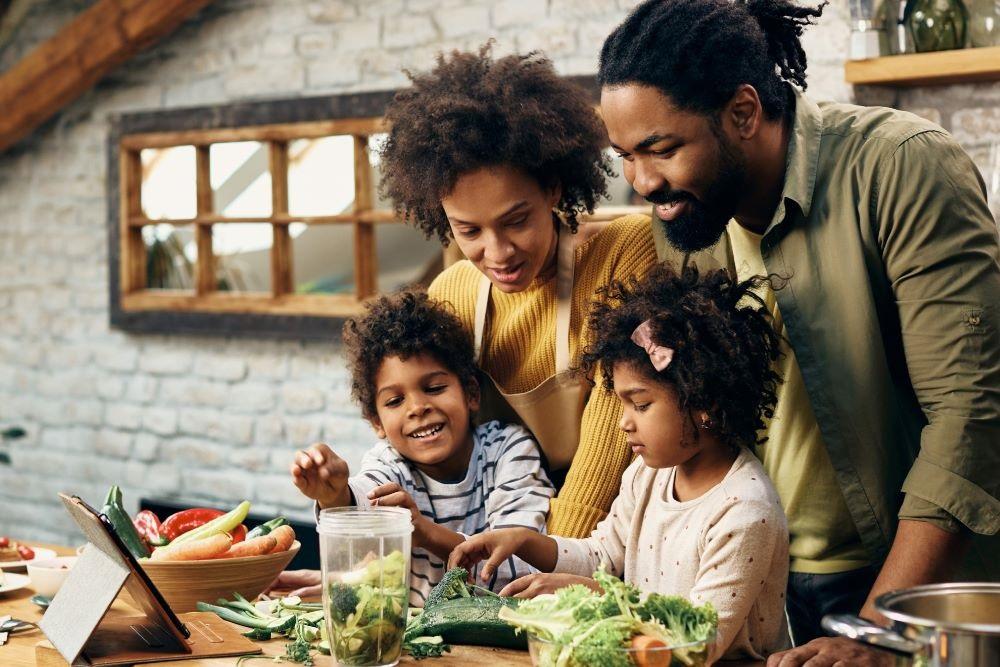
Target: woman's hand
{"x": 531, "y": 585}
{"x": 322, "y": 475}
{"x": 494, "y": 547}
{"x": 304, "y": 583}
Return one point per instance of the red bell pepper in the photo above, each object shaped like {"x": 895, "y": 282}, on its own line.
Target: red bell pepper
{"x": 147, "y": 525}
{"x": 239, "y": 533}
{"x": 187, "y": 520}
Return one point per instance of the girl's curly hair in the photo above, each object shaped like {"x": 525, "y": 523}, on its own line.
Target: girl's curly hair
{"x": 471, "y": 112}
{"x": 405, "y": 324}
{"x": 723, "y": 340}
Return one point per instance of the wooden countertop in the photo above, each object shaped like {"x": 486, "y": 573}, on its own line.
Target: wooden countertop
{"x": 19, "y": 651}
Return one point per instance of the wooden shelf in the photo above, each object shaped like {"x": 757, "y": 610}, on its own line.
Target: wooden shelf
{"x": 927, "y": 69}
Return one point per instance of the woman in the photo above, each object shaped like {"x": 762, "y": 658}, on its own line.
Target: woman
{"x": 501, "y": 156}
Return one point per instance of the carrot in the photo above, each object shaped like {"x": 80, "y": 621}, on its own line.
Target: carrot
{"x": 649, "y": 652}
{"x": 254, "y": 547}
{"x": 285, "y": 536}
{"x": 203, "y": 549}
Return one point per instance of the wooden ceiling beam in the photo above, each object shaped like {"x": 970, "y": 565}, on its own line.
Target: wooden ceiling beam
{"x": 64, "y": 67}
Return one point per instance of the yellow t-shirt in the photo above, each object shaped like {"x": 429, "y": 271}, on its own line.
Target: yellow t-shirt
{"x": 519, "y": 352}
{"x": 822, "y": 535}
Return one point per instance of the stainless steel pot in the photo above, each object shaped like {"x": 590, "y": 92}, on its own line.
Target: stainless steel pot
{"x": 938, "y": 625}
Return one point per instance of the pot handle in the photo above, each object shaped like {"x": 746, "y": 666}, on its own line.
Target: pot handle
{"x": 866, "y": 632}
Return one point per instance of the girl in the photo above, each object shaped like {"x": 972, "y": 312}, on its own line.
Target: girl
{"x": 501, "y": 156}
{"x": 413, "y": 374}
{"x": 690, "y": 360}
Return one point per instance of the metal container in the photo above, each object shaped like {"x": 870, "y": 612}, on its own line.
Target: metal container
{"x": 936, "y": 625}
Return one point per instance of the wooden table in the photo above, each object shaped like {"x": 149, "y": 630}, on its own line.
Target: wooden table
{"x": 19, "y": 651}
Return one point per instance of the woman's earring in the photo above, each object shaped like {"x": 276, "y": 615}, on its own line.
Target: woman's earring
{"x": 706, "y": 422}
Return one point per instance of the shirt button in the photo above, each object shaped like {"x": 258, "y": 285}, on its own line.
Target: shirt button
{"x": 974, "y": 320}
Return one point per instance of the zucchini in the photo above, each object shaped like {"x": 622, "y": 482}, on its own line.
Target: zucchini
{"x": 122, "y": 523}
{"x": 471, "y": 620}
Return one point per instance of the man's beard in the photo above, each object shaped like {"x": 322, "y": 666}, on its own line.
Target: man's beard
{"x": 704, "y": 222}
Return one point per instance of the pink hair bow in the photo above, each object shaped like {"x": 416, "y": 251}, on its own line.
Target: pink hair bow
{"x": 660, "y": 356}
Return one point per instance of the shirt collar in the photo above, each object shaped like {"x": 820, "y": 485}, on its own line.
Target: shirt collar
{"x": 803, "y": 157}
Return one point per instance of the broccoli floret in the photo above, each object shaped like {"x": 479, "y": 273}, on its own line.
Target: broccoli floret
{"x": 343, "y": 601}
{"x": 452, "y": 585}
{"x": 388, "y": 572}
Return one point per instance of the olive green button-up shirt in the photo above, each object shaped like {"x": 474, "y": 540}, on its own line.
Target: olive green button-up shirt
{"x": 892, "y": 306}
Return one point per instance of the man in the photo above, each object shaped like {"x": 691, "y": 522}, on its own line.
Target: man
{"x": 885, "y": 444}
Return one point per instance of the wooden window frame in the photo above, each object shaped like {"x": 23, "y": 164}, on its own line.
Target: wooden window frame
{"x": 282, "y": 313}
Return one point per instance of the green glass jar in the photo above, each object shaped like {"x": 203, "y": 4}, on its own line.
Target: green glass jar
{"x": 936, "y": 25}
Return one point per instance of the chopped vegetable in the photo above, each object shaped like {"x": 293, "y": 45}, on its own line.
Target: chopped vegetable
{"x": 370, "y": 632}
{"x": 426, "y": 647}
{"x": 580, "y": 627}
{"x": 452, "y": 585}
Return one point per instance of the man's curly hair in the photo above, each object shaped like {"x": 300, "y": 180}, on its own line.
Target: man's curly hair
{"x": 471, "y": 112}
{"x": 405, "y": 324}
{"x": 723, "y": 340}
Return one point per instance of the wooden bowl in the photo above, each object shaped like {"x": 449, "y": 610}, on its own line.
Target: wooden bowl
{"x": 185, "y": 583}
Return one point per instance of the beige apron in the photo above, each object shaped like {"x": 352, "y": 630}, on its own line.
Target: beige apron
{"x": 552, "y": 410}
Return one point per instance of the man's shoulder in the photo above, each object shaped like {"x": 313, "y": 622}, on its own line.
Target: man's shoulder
{"x": 878, "y": 128}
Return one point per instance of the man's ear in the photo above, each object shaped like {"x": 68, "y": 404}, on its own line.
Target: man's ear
{"x": 377, "y": 427}
{"x": 744, "y": 112}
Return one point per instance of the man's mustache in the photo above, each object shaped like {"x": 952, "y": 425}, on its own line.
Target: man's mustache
{"x": 665, "y": 197}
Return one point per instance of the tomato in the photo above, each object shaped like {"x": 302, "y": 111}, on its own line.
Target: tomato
{"x": 25, "y": 552}
{"x": 4, "y": 542}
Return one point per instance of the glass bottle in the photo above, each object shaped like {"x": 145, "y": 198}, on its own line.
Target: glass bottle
{"x": 984, "y": 22}
{"x": 936, "y": 25}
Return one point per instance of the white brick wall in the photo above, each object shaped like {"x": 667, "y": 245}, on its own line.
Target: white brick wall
{"x": 217, "y": 420}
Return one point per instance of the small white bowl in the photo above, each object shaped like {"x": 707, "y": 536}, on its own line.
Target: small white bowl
{"x": 47, "y": 576}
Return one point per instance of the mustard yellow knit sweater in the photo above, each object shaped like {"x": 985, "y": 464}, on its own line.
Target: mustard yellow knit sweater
{"x": 519, "y": 353}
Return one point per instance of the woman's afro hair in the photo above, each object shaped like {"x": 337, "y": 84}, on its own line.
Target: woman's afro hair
{"x": 405, "y": 324}
{"x": 473, "y": 112}
{"x": 723, "y": 340}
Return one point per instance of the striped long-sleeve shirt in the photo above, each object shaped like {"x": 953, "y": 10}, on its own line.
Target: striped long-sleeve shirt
{"x": 504, "y": 487}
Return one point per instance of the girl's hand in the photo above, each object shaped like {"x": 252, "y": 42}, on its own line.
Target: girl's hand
{"x": 531, "y": 585}
{"x": 322, "y": 475}
{"x": 494, "y": 547}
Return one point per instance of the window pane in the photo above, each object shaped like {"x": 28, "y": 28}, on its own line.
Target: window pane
{"x": 171, "y": 254}
{"x": 243, "y": 256}
{"x": 241, "y": 179}
{"x": 321, "y": 176}
{"x": 405, "y": 257}
{"x": 375, "y": 144}
{"x": 323, "y": 258}
{"x": 168, "y": 183}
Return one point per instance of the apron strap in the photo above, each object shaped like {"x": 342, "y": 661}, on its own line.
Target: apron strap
{"x": 482, "y": 305}
{"x": 565, "y": 274}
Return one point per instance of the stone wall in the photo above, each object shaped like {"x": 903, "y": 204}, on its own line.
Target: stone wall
{"x": 214, "y": 419}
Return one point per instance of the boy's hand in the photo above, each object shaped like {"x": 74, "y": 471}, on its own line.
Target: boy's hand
{"x": 322, "y": 475}
{"x": 494, "y": 546}
{"x": 531, "y": 585}
{"x": 393, "y": 495}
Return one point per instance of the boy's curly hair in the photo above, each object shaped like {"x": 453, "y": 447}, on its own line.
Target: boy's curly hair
{"x": 723, "y": 340}
{"x": 471, "y": 112}
{"x": 405, "y": 324}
